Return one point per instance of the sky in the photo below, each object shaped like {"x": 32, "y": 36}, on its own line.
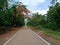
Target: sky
{"x": 40, "y": 6}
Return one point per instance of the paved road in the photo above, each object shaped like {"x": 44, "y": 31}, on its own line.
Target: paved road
{"x": 26, "y": 36}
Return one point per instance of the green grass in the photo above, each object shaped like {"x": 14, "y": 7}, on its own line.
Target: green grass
{"x": 54, "y": 34}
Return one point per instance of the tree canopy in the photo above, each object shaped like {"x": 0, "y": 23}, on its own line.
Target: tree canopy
{"x": 10, "y": 16}
{"x": 51, "y": 20}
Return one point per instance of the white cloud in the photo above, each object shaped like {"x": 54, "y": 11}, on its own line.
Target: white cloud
{"x": 41, "y": 11}
{"x": 31, "y": 5}
{"x": 31, "y": 2}
{"x": 58, "y": 0}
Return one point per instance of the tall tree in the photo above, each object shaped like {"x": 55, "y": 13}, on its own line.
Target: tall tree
{"x": 54, "y": 16}
{"x": 53, "y": 2}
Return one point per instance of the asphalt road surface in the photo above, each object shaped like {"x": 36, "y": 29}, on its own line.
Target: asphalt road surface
{"x": 26, "y": 36}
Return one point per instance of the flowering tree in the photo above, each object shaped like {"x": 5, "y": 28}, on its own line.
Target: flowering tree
{"x": 23, "y": 10}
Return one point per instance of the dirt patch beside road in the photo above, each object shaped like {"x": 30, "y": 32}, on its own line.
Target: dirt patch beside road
{"x": 4, "y": 37}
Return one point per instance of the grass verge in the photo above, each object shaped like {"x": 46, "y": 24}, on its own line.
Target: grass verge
{"x": 54, "y": 34}
{"x": 53, "y": 37}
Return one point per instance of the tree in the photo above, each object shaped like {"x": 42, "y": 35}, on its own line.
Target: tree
{"x": 54, "y": 16}
{"x": 9, "y": 16}
{"x": 53, "y": 2}
{"x": 37, "y": 20}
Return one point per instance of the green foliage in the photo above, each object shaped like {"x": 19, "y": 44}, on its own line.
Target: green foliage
{"x": 7, "y": 17}
{"x": 51, "y": 21}
{"x": 19, "y": 20}
{"x": 54, "y": 16}
{"x": 37, "y": 20}
{"x": 53, "y": 2}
